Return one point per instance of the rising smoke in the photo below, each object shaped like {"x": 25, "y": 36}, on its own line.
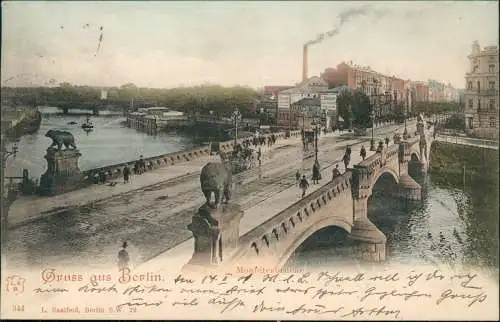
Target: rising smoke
{"x": 344, "y": 17}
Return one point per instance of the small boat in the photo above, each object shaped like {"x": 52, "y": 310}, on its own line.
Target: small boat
{"x": 88, "y": 124}
{"x": 72, "y": 123}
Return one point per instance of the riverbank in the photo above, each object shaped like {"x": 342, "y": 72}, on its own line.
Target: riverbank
{"x": 20, "y": 121}
{"x": 474, "y": 171}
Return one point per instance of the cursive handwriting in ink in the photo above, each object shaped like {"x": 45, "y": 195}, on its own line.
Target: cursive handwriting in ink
{"x": 186, "y": 302}
{"x": 228, "y": 305}
{"x": 322, "y": 292}
{"x": 449, "y": 295}
{"x": 382, "y": 294}
{"x": 50, "y": 290}
{"x": 235, "y": 289}
{"x": 138, "y": 302}
{"x": 294, "y": 290}
{"x": 372, "y": 312}
{"x": 261, "y": 307}
{"x": 387, "y": 278}
{"x": 413, "y": 277}
{"x": 89, "y": 288}
{"x": 468, "y": 279}
{"x": 316, "y": 309}
{"x": 337, "y": 278}
{"x": 181, "y": 279}
{"x": 197, "y": 291}
{"x": 435, "y": 275}
{"x": 141, "y": 289}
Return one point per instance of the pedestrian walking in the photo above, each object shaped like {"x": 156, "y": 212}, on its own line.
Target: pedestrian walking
{"x": 316, "y": 176}
{"x": 304, "y": 185}
{"x": 346, "y": 159}
{"x": 297, "y": 178}
{"x": 380, "y": 147}
{"x": 142, "y": 165}
{"x": 348, "y": 151}
{"x": 362, "y": 153}
{"x": 387, "y": 141}
{"x": 336, "y": 172}
{"x": 126, "y": 174}
{"x": 123, "y": 257}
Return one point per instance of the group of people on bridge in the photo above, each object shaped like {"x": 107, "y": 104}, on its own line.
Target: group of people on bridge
{"x": 302, "y": 182}
{"x": 262, "y": 140}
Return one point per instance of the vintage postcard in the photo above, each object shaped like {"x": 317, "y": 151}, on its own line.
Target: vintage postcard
{"x": 250, "y": 160}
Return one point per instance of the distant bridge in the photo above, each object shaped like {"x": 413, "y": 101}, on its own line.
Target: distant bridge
{"x": 342, "y": 202}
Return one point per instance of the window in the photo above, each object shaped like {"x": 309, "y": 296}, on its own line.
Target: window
{"x": 491, "y": 68}
{"x": 492, "y": 104}
{"x": 475, "y": 69}
{"x": 478, "y": 86}
{"x": 469, "y": 85}
{"x": 493, "y": 121}
{"x": 492, "y": 84}
{"x": 478, "y": 104}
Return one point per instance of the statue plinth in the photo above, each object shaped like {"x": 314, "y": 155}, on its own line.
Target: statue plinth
{"x": 216, "y": 234}
{"x": 62, "y": 173}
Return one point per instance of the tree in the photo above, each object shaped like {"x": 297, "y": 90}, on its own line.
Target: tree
{"x": 361, "y": 109}
{"x": 344, "y": 101}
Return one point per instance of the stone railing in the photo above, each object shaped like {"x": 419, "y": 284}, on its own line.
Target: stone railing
{"x": 227, "y": 146}
{"x": 275, "y": 229}
{"x": 466, "y": 141}
{"x": 375, "y": 160}
{"x": 115, "y": 171}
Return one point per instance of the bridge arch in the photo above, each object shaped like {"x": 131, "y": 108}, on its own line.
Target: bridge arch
{"x": 385, "y": 170}
{"x": 311, "y": 230}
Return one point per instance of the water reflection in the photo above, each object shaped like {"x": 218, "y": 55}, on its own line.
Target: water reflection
{"x": 441, "y": 228}
{"x": 110, "y": 142}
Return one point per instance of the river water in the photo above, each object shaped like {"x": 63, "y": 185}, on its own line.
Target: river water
{"x": 109, "y": 143}
{"x": 443, "y": 228}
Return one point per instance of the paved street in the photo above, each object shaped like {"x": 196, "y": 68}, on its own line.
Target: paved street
{"x": 154, "y": 218}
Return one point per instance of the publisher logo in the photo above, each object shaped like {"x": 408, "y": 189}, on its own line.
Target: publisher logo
{"x": 15, "y": 284}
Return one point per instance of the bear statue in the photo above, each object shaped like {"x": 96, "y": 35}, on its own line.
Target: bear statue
{"x": 61, "y": 137}
{"x": 216, "y": 178}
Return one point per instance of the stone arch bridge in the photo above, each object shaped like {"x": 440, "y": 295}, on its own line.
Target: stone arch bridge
{"x": 341, "y": 203}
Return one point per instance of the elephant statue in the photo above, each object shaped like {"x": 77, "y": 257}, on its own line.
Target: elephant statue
{"x": 61, "y": 137}
{"x": 216, "y": 178}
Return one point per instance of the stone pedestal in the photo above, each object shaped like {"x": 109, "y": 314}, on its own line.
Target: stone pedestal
{"x": 408, "y": 189}
{"x": 62, "y": 173}
{"x": 216, "y": 235}
{"x": 368, "y": 242}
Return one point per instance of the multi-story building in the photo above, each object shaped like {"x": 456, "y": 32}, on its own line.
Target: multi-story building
{"x": 364, "y": 78}
{"x": 481, "y": 92}
{"x": 451, "y": 94}
{"x": 273, "y": 91}
{"x": 421, "y": 91}
{"x": 313, "y": 90}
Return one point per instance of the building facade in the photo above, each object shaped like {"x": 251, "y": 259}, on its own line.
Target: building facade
{"x": 481, "y": 94}
{"x": 370, "y": 82}
{"x": 311, "y": 88}
{"x": 421, "y": 91}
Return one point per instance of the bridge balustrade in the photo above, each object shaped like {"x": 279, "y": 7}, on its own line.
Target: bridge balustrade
{"x": 115, "y": 171}
{"x": 265, "y": 236}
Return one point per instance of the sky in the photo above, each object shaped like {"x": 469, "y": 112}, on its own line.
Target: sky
{"x": 170, "y": 44}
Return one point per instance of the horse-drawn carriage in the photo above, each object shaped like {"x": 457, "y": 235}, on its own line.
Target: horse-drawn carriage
{"x": 241, "y": 158}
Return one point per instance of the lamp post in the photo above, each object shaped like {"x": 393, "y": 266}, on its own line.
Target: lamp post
{"x": 405, "y": 133}
{"x": 5, "y": 201}
{"x": 236, "y": 120}
{"x": 372, "y": 141}
{"x": 6, "y": 153}
{"x": 316, "y": 132}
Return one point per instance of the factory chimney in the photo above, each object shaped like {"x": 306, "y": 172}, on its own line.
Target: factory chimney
{"x": 304, "y": 64}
